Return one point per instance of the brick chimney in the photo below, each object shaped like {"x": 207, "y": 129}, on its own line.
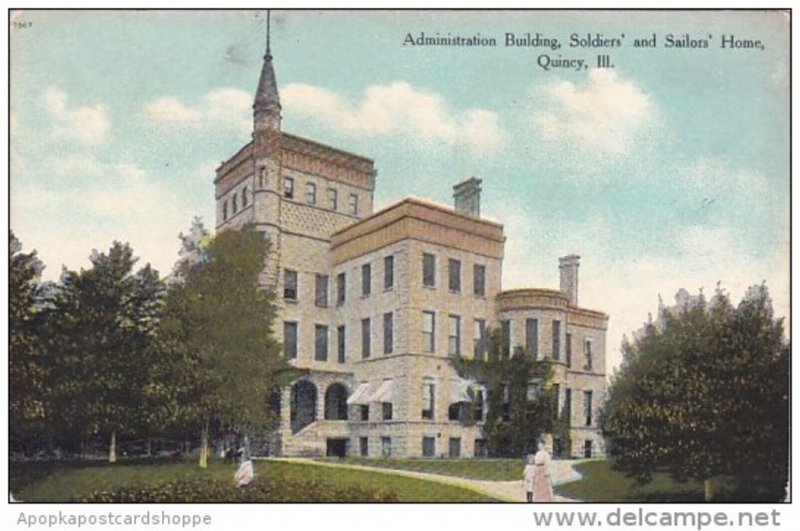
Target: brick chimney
{"x": 568, "y": 267}
{"x": 467, "y": 197}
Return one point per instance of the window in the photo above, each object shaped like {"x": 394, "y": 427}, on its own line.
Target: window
{"x": 262, "y": 177}
{"x": 568, "y": 348}
{"x": 388, "y": 333}
{"x": 587, "y": 407}
{"x": 365, "y": 338}
{"x": 429, "y": 447}
{"x": 340, "y": 344}
{"x": 505, "y": 338}
{"x": 311, "y": 193}
{"x": 353, "y": 205}
{"x": 364, "y": 412}
{"x": 333, "y": 199}
{"x": 340, "y": 288}
{"x": 454, "y": 275}
{"x": 428, "y": 331}
{"x": 428, "y": 270}
{"x": 458, "y": 411}
{"x": 388, "y": 272}
{"x": 455, "y": 447}
{"x": 289, "y": 284}
{"x": 386, "y": 408}
{"x": 288, "y": 188}
{"x": 534, "y": 391}
{"x": 321, "y": 343}
{"x": 321, "y": 290}
{"x": 224, "y": 211}
{"x": 532, "y": 337}
{"x": 363, "y": 445}
{"x": 479, "y": 339}
{"x": 556, "y": 340}
{"x": 386, "y": 446}
{"x": 479, "y": 280}
{"x": 568, "y": 405}
{"x": 505, "y": 406}
{"x": 290, "y": 340}
{"x": 428, "y": 400}
{"x": 244, "y": 197}
{"x": 587, "y": 448}
{"x": 587, "y": 348}
{"x": 454, "y": 339}
{"x": 481, "y": 448}
{"x": 557, "y": 395}
{"x": 366, "y": 280}
{"x": 235, "y": 206}
{"x": 478, "y": 413}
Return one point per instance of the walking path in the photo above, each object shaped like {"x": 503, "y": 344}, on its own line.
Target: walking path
{"x": 562, "y": 471}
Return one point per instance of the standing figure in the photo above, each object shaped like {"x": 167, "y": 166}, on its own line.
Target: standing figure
{"x": 542, "y": 486}
{"x": 245, "y": 474}
{"x": 530, "y": 470}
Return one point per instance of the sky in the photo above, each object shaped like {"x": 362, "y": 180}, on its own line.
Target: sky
{"x": 668, "y": 171}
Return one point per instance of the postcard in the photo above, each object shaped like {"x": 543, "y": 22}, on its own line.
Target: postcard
{"x": 400, "y": 256}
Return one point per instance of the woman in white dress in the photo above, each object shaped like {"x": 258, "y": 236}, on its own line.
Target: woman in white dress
{"x": 542, "y": 487}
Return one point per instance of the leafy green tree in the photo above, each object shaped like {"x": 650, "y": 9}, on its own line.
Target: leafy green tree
{"x": 217, "y": 328}
{"x": 27, "y": 372}
{"x": 99, "y": 329}
{"x": 520, "y": 397}
{"x": 705, "y": 393}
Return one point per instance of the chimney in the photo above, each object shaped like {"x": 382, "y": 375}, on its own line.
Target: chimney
{"x": 467, "y": 197}
{"x": 568, "y": 267}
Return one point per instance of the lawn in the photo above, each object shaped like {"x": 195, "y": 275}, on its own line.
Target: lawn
{"x": 602, "y": 484}
{"x": 62, "y": 483}
{"x": 482, "y": 469}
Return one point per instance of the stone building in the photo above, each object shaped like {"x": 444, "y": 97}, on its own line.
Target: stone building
{"x": 374, "y": 304}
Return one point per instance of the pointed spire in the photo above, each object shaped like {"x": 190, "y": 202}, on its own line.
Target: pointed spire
{"x": 267, "y": 105}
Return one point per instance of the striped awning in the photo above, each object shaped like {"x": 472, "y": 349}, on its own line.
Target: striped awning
{"x": 460, "y": 391}
{"x": 361, "y": 394}
{"x": 384, "y": 392}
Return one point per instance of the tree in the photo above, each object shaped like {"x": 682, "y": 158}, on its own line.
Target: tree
{"x": 99, "y": 331}
{"x": 217, "y": 326}
{"x": 705, "y": 393}
{"x": 27, "y": 374}
{"x": 520, "y": 396}
{"x": 192, "y": 251}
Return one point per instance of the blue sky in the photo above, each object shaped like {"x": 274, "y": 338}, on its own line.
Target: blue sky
{"x": 670, "y": 170}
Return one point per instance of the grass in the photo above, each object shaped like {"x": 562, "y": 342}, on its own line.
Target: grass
{"x": 61, "y": 483}
{"x": 602, "y": 484}
{"x": 481, "y": 469}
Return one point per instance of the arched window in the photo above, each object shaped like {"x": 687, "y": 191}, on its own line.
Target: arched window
{"x": 303, "y": 409}
{"x": 244, "y": 197}
{"x": 336, "y": 402}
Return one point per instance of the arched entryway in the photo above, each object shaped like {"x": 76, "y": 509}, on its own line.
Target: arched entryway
{"x": 304, "y": 405}
{"x": 336, "y": 402}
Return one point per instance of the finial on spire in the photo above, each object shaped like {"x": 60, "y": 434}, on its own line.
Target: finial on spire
{"x": 268, "y": 50}
{"x": 267, "y": 105}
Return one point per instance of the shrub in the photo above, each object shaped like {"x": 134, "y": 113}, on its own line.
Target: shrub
{"x": 197, "y": 490}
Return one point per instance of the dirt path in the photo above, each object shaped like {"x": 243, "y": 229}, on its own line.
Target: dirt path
{"x": 509, "y": 491}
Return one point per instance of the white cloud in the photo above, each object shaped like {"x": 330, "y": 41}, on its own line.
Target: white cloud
{"x": 113, "y": 201}
{"x": 397, "y": 109}
{"x": 221, "y": 108}
{"x": 88, "y": 124}
{"x": 605, "y": 119}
